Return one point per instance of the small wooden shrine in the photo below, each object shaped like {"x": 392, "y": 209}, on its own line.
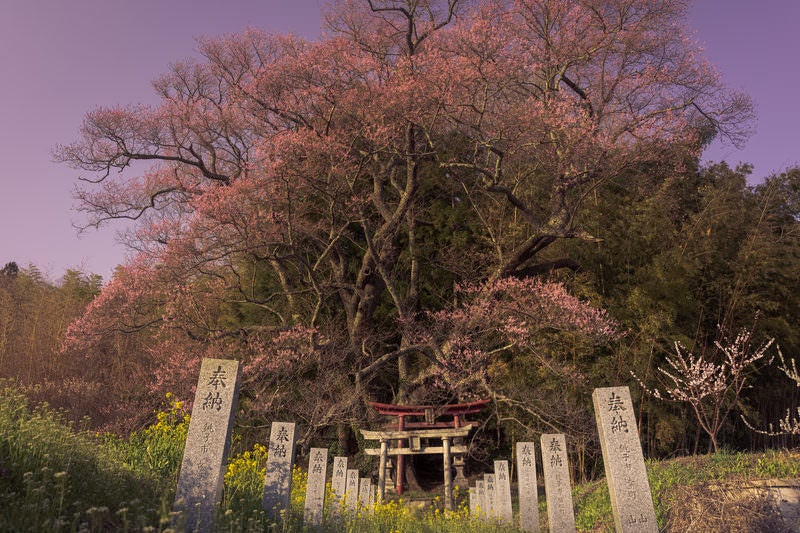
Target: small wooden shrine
{"x": 418, "y": 430}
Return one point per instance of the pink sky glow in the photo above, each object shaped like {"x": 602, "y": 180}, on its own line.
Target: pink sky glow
{"x": 60, "y": 59}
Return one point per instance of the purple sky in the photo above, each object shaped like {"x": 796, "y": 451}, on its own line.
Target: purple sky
{"x": 60, "y": 58}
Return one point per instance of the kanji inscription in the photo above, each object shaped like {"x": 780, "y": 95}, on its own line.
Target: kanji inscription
{"x": 315, "y": 489}
{"x": 502, "y": 480}
{"x": 555, "y": 465}
{"x": 526, "y": 483}
{"x": 351, "y": 491}
{"x": 278, "y": 478}
{"x": 626, "y": 474}
{"x": 490, "y": 494}
{"x": 339, "y": 481}
{"x": 200, "y": 481}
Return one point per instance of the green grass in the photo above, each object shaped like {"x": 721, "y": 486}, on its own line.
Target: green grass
{"x": 56, "y": 476}
{"x": 593, "y": 502}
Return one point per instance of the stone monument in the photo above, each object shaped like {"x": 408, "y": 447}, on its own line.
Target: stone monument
{"x": 339, "y": 482}
{"x": 202, "y": 471}
{"x": 557, "y": 486}
{"x": 278, "y": 478}
{"x": 364, "y": 489}
{"x": 502, "y": 484}
{"x": 473, "y": 501}
{"x": 480, "y": 486}
{"x": 351, "y": 491}
{"x": 527, "y": 487}
{"x": 626, "y": 474}
{"x": 315, "y": 489}
{"x": 490, "y": 494}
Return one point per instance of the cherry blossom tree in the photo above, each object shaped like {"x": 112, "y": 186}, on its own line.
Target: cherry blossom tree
{"x": 289, "y": 190}
{"x": 501, "y": 316}
{"x": 711, "y": 386}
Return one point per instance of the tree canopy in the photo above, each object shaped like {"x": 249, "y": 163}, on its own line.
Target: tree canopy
{"x": 366, "y": 215}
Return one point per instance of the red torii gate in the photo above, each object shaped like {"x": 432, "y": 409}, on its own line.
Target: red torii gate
{"x": 430, "y": 413}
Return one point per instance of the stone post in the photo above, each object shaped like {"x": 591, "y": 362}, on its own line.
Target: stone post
{"x": 473, "y": 501}
{"x": 315, "y": 489}
{"x": 502, "y": 483}
{"x": 491, "y": 495}
{"x": 558, "y": 490}
{"x": 339, "y": 482}
{"x": 480, "y": 485}
{"x": 527, "y": 487}
{"x": 200, "y": 482}
{"x": 623, "y": 460}
{"x": 364, "y": 488}
{"x": 278, "y": 478}
{"x": 351, "y": 493}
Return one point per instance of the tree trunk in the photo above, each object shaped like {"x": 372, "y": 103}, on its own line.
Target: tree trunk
{"x": 343, "y": 436}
